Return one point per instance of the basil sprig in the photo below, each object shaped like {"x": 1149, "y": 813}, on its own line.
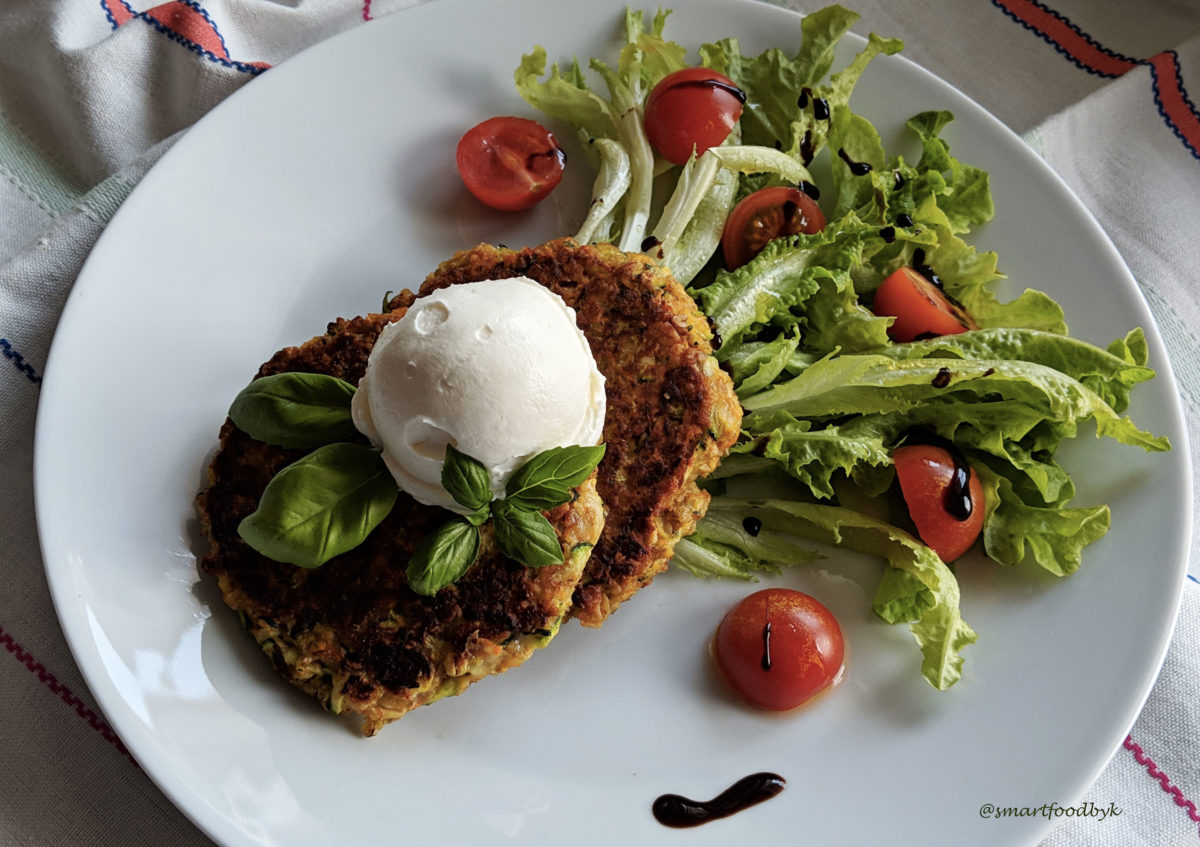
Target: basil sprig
{"x": 321, "y": 505}
{"x": 295, "y": 410}
{"x": 522, "y": 532}
{"x": 447, "y": 553}
{"x": 526, "y": 535}
{"x": 328, "y": 502}
{"x": 468, "y": 482}
{"x": 546, "y": 480}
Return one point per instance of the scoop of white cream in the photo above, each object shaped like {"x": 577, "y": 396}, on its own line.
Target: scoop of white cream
{"x": 496, "y": 368}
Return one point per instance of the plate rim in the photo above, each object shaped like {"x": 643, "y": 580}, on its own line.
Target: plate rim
{"x": 74, "y": 626}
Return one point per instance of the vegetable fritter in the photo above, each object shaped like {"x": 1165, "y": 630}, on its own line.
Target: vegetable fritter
{"x": 354, "y": 635}
{"x": 672, "y": 414}
{"x": 351, "y": 632}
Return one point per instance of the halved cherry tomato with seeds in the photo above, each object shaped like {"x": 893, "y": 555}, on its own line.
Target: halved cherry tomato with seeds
{"x": 921, "y": 309}
{"x": 944, "y": 497}
{"x": 693, "y": 108}
{"x": 778, "y": 648}
{"x": 510, "y": 163}
{"x": 766, "y": 214}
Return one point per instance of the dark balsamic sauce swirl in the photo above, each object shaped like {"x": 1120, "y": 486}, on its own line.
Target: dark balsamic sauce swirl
{"x": 956, "y": 499}
{"x": 918, "y": 265}
{"x": 856, "y": 168}
{"x": 806, "y": 147}
{"x": 713, "y": 83}
{"x": 680, "y": 812}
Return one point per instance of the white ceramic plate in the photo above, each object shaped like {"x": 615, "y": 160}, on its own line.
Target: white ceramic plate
{"x": 330, "y": 180}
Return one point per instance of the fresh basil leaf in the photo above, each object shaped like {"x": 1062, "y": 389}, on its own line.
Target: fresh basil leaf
{"x": 321, "y": 505}
{"x": 443, "y": 557}
{"x": 295, "y": 410}
{"x": 546, "y": 480}
{"x": 466, "y": 480}
{"x": 479, "y": 516}
{"x": 525, "y": 535}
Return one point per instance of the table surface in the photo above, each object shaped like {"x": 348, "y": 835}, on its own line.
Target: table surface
{"x": 92, "y": 94}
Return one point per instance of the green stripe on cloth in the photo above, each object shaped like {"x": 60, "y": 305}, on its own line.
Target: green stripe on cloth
{"x": 33, "y": 172}
{"x": 102, "y": 202}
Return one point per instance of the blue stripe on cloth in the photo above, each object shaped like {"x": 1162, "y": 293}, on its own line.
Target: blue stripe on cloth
{"x": 1170, "y": 120}
{"x": 105, "y": 5}
{"x": 204, "y": 14}
{"x": 243, "y": 67}
{"x": 19, "y": 361}
{"x": 1059, "y": 48}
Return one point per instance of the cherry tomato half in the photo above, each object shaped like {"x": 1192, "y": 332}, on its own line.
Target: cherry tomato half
{"x": 944, "y": 497}
{"x": 766, "y": 214}
{"x": 778, "y": 648}
{"x": 921, "y": 308}
{"x": 693, "y": 107}
{"x": 510, "y": 163}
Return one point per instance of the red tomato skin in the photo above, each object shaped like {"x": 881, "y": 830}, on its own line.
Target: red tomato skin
{"x": 766, "y": 214}
{"x": 691, "y": 107}
{"x": 805, "y": 648}
{"x": 510, "y": 163}
{"x": 926, "y": 473}
{"x": 920, "y": 308}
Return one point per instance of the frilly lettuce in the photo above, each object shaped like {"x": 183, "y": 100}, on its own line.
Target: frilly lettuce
{"x": 920, "y": 589}
{"x": 828, "y": 395}
{"x": 704, "y": 191}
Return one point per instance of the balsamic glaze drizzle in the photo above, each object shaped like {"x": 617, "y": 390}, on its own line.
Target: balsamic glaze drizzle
{"x": 713, "y": 83}
{"x": 918, "y": 265}
{"x": 856, "y": 168}
{"x": 956, "y": 499}
{"x": 806, "y": 147}
{"x": 650, "y": 243}
{"x": 680, "y": 812}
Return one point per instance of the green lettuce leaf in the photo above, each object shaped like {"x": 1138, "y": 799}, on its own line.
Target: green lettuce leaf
{"x": 932, "y": 612}
{"x": 875, "y": 383}
{"x": 1054, "y": 537}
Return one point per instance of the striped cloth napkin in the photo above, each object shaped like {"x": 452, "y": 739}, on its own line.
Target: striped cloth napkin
{"x": 91, "y": 94}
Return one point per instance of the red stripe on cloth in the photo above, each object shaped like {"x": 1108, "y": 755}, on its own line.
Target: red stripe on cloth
{"x": 1173, "y": 100}
{"x": 188, "y": 22}
{"x": 118, "y": 11}
{"x": 1074, "y": 43}
{"x": 1152, "y": 769}
{"x": 366, "y": 12}
{"x": 65, "y": 694}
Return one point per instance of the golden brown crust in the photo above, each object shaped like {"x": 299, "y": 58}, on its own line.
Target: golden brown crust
{"x": 351, "y": 632}
{"x": 672, "y": 413}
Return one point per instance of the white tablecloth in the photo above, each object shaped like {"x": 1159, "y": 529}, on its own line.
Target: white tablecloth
{"x": 92, "y": 93}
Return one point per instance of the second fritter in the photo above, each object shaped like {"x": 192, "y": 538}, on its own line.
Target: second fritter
{"x": 672, "y": 412}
